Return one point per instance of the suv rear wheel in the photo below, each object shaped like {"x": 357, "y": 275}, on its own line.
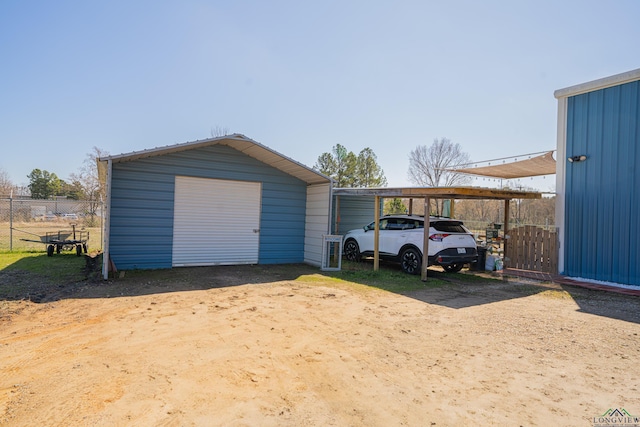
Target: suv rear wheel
{"x": 452, "y": 268}
{"x": 411, "y": 261}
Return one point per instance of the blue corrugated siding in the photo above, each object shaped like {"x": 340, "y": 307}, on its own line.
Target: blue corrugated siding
{"x": 142, "y": 197}
{"x": 602, "y": 202}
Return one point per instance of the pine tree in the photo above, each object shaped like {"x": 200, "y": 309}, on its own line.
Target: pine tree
{"x": 349, "y": 171}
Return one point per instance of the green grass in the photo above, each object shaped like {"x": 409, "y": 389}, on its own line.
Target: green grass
{"x": 66, "y": 268}
{"x": 390, "y": 279}
{"x": 63, "y": 267}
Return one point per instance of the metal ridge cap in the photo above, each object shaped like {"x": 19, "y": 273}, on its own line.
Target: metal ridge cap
{"x": 617, "y": 79}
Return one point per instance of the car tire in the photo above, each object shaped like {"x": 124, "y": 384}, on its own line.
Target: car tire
{"x": 352, "y": 250}
{"x": 411, "y": 261}
{"x": 452, "y": 268}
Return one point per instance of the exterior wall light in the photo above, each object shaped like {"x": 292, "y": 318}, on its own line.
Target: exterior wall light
{"x": 581, "y": 158}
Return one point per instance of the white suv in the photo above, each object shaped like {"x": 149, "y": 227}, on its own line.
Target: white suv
{"x": 451, "y": 245}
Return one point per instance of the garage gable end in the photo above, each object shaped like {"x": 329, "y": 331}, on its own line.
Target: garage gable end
{"x": 142, "y": 201}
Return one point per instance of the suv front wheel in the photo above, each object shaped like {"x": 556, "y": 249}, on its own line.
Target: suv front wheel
{"x": 411, "y": 261}
{"x": 352, "y": 250}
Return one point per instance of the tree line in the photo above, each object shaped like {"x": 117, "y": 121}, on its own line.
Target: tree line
{"x": 429, "y": 166}
{"x": 478, "y": 214}
{"x": 85, "y": 184}
{"x": 348, "y": 170}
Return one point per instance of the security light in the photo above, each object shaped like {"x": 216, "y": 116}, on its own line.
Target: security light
{"x": 580, "y": 158}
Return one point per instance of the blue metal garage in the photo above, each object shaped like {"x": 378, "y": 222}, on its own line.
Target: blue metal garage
{"x": 598, "y": 179}
{"x": 218, "y": 201}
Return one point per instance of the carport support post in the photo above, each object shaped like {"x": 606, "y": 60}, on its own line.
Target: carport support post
{"x": 376, "y": 235}
{"x": 506, "y": 229}
{"x": 11, "y": 221}
{"x": 425, "y": 244}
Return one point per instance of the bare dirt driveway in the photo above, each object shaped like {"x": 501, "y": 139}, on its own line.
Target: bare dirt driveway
{"x": 288, "y": 346}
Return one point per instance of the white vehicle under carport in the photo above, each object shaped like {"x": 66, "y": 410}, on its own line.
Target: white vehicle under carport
{"x": 451, "y": 244}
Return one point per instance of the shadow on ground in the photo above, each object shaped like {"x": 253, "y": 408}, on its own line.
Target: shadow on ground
{"x": 63, "y": 276}
{"x": 44, "y": 279}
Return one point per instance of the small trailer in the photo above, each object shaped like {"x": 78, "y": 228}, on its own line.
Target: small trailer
{"x": 60, "y": 240}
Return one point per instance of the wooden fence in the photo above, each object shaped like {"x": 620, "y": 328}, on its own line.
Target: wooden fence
{"x": 533, "y": 248}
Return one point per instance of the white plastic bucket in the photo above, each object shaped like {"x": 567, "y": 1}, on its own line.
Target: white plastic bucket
{"x": 490, "y": 263}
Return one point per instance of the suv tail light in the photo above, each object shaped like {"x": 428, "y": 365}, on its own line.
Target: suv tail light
{"x": 438, "y": 237}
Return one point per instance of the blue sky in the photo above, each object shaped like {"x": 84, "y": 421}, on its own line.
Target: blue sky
{"x": 298, "y": 76}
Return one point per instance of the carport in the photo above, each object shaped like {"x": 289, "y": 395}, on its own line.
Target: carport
{"x": 426, "y": 194}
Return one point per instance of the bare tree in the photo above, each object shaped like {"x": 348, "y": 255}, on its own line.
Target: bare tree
{"x": 92, "y": 178}
{"x": 428, "y": 166}
{"x": 219, "y": 131}
{"x": 477, "y": 214}
{"x": 5, "y": 184}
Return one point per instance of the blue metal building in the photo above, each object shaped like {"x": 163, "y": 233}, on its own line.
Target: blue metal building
{"x": 598, "y": 179}
{"x": 219, "y": 201}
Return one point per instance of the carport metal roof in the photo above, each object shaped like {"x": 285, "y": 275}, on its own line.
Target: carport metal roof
{"x": 428, "y": 193}
{"x": 439, "y": 193}
{"x": 241, "y": 143}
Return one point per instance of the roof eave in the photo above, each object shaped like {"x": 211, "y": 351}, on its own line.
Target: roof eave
{"x": 238, "y": 142}
{"x": 603, "y": 83}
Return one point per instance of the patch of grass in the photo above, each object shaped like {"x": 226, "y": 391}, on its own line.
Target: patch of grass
{"x": 62, "y": 267}
{"x": 388, "y": 278}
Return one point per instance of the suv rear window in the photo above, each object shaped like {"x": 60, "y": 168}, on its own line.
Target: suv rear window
{"x": 448, "y": 226}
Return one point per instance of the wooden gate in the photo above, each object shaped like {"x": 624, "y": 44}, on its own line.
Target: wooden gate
{"x": 533, "y": 248}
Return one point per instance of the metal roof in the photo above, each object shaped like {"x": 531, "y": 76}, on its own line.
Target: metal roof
{"x": 238, "y": 142}
{"x": 439, "y": 193}
{"x": 603, "y": 83}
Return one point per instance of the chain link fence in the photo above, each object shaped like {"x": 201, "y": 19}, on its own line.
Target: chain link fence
{"x": 26, "y": 223}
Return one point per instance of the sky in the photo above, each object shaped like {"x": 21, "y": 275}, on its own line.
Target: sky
{"x": 298, "y": 76}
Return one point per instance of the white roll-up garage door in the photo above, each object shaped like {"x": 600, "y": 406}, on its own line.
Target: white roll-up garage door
{"x": 216, "y": 222}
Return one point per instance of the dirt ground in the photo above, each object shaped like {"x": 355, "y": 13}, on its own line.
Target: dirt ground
{"x": 288, "y": 346}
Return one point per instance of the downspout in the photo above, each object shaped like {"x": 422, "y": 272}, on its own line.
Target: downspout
{"x": 107, "y": 223}
{"x": 336, "y": 220}
{"x": 336, "y": 246}
{"x": 331, "y": 207}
